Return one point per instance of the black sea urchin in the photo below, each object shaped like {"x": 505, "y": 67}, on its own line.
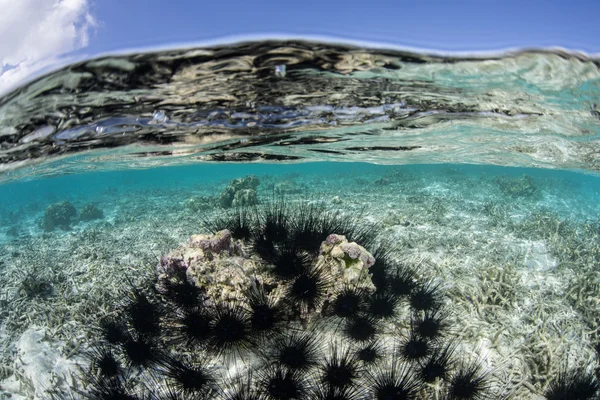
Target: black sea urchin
{"x": 308, "y": 290}
{"x": 143, "y": 314}
{"x": 295, "y": 350}
{"x": 230, "y": 333}
{"x": 340, "y": 370}
{"x": 103, "y": 362}
{"x": 288, "y": 263}
{"x": 275, "y": 222}
{"x": 469, "y": 383}
{"x": 402, "y": 281}
{"x": 380, "y": 271}
{"x": 239, "y": 222}
{"x": 361, "y": 329}
{"x": 324, "y": 392}
{"x": 141, "y": 351}
{"x": 371, "y": 353}
{"x": 184, "y": 294}
{"x": 113, "y": 330}
{"x": 193, "y": 327}
{"x": 426, "y": 297}
{"x": 267, "y": 317}
{"x": 349, "y": 302}
{"x": 395, "y": 383}
{"x": 242, "y": 388}
{"x": 111, "y": 389}
{"x": 438, "y": 365}
{"x": 414, "y": 348}
{"x": 280, "y": 383}
{"x": 191, "y": 380}
{"x": 573, "y": 384}
{"x": 382, "y": 305}
{"x": 430, "y": 324}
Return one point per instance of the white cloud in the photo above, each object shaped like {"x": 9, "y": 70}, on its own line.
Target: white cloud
{"x": 33, "y": 33}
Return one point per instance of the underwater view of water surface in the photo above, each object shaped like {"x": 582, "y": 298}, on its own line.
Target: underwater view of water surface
{"x": 293, "y": 220}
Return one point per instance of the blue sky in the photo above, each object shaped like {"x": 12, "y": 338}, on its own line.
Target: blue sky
{"x": 444, "y": 25}
{"x": 34, "y": 33}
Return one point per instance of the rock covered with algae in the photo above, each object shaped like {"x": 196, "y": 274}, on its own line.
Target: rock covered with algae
{"x": 216, "y": 263}
{"x": 240, "y": 192}
{"x": 223, "y": 267}
{"x": 58, "y": 216}
{"x": 346, "y": 262}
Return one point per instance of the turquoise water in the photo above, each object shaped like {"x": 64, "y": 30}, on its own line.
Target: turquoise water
{"x": 571, "y": 195}
{"x": 476, "y": 178}
{"x": 457, "y": 219}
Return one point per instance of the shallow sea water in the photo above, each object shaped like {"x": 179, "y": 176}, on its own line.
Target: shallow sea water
{"x": 479, "y": 175}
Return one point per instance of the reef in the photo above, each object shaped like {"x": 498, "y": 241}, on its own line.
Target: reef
{"x": 215, "y": 263}
{"x": 283, "y": 302}
{"x": 240, "y": 192}
{"x": 58, "y": 216}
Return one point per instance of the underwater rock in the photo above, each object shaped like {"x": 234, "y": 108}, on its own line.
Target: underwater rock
{"x": 218, "y": 264}
{"x": 240, "y": 192}
{"x": 347, "y": 262}
{"x": 59, "y": 215}
{"x": 244, "y": 197}
{"x": 213, "y": 262}
{"x": 216, "y": 243}
{"x": 172, "y": 265}
{"x": 90, "y": 212}
{"x": 224, "y": 278}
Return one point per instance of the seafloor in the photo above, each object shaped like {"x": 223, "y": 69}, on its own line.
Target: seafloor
{"x": 515, "y": 252}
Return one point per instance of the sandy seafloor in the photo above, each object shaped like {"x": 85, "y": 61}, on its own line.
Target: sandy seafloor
{"x": 515, "y": 250}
